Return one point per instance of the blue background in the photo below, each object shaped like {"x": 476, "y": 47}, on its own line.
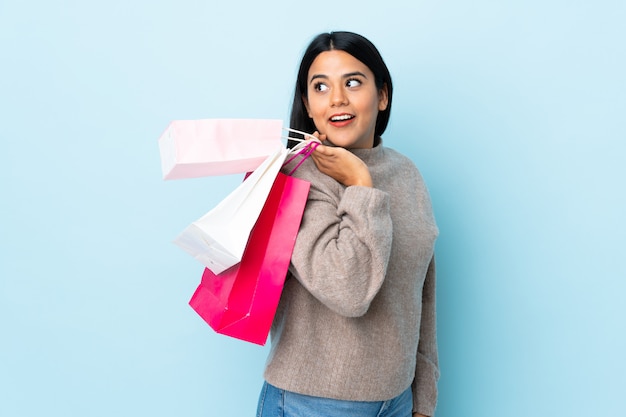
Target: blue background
{"x": 514, "y": 112}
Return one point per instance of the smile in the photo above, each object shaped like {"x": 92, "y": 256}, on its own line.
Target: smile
{"x": 341, "y": 118}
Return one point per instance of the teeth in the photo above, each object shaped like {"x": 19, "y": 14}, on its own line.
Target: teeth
{"x": 341, "y": 118}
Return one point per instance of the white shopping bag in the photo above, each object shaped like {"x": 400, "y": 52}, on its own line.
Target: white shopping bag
{"x": 218, "y": 238}
{"x": 204, "y": 147}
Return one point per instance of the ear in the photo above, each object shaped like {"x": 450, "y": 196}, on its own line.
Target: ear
{"x": 383, "y": 98}
{"x": 306, "y": 104}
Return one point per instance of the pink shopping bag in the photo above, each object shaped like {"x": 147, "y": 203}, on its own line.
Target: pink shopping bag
{"x": 205, "y": 147}
{"x": 241, "y": 302}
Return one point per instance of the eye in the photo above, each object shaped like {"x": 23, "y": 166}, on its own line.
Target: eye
{"x": 321, "y": 87}
{"x": 353, "y": 82}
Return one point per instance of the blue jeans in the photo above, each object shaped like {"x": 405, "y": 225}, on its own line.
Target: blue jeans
{"x": 276, "y": 402}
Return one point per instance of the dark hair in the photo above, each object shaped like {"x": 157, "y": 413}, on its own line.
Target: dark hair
{"x": 357, "y": 46}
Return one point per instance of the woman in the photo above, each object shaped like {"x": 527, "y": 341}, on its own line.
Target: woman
{"x": 355, "y": 331}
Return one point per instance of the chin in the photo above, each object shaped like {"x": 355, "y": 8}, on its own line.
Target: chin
{"x": 342, "y": 141}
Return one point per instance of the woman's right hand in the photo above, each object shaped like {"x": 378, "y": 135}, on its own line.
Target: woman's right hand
{"x": 341, "y": 164}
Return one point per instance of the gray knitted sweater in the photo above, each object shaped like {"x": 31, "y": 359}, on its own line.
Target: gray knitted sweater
{"x": 356, "y": 320}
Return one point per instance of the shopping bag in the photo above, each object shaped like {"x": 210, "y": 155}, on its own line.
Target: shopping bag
{"x": 241, "y": 302}
{"x": 198, "y": 148}
{"x": 218, "y": 238}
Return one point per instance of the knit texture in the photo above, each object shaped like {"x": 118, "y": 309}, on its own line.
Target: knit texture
{"x": 356, "y": 320}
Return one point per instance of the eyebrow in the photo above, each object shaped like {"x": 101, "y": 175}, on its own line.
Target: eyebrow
{"x": 348, "y": 75}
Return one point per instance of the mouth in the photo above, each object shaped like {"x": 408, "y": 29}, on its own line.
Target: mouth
{"x": 340, "y": 119}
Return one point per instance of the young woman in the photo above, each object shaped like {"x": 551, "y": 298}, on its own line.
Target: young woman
{"x": 355, "y": 331}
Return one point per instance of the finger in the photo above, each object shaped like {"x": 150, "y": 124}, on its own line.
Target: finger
{"x": 320, "y": 136}
{"x": 314, "y": 138}
{"x": 319, "y": 149}
{"x": 331, "y": 151}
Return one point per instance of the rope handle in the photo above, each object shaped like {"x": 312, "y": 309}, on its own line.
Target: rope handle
{"x": 305, "y": 153}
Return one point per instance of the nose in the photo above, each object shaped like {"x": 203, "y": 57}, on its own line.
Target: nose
{"x": 338, "y": 97}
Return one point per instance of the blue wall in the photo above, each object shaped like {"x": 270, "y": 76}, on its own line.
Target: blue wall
{"x": 514, "y": 112}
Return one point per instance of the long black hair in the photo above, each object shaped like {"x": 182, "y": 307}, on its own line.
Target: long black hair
{"x": 357, "y": 46}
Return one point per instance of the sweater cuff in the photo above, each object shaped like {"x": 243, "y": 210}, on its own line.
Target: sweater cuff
{"x": 425, "y": 392}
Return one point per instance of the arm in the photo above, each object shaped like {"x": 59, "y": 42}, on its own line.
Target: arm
{"x": 427, "y": 367}
{"x": 344, "y": 242}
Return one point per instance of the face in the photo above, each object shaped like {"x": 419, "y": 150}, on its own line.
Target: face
{"x": 343, "y": 100}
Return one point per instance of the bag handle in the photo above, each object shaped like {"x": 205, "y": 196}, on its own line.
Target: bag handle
{"x": 305, "y": 152}
{"x": 299, "y": 132}
{"x": 305, "y": 148}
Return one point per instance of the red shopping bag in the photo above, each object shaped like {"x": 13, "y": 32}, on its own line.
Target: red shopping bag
{"x": 241, "y": 302}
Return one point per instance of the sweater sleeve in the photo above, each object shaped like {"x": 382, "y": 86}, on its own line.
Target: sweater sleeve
{"x": 343, "y": 247}
{"x": 427, "y": 367}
